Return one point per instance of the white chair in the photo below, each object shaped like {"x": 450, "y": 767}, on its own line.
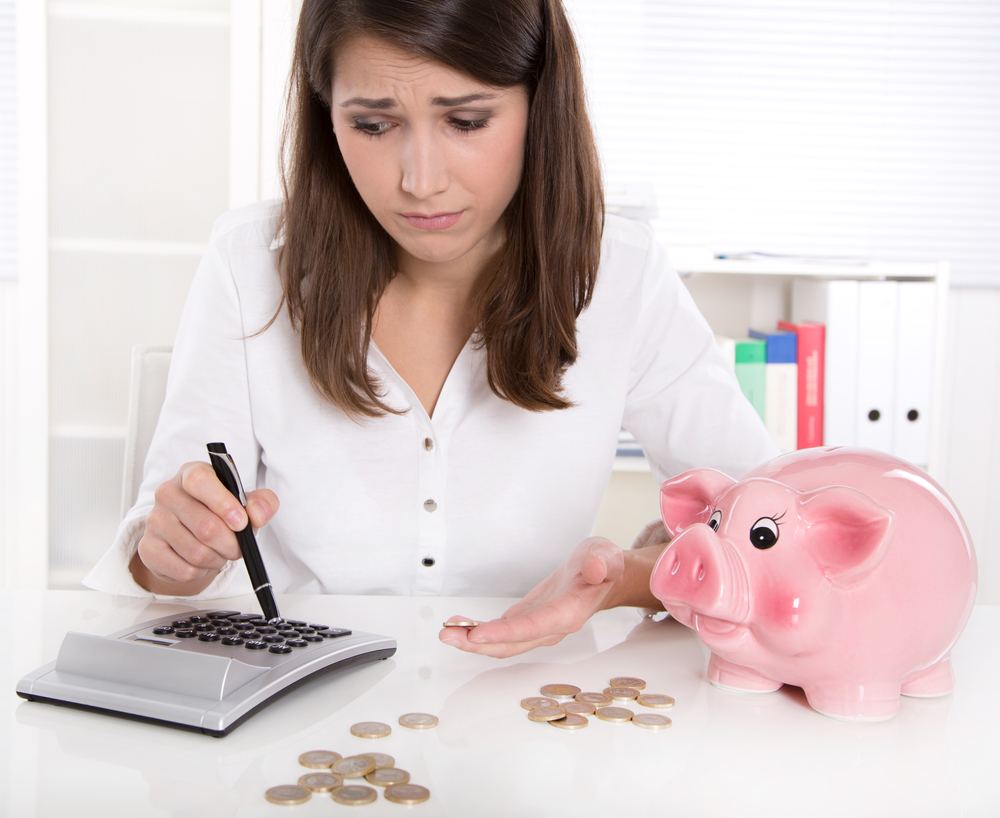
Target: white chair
{"x": 147, "y": 387}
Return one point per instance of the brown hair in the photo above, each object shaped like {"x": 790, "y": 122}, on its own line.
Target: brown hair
{"x": 337, "y": 260}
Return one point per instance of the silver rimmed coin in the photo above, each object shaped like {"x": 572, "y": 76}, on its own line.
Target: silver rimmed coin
{"x": 655, "y": 700}
{"x": 462, "y": 623}
{"x": 621, "y": 694}
{"x": 353, "y": 766}
{"x": 319, "y": 759}
{"x": 354, "y": 794}
{"x": 593, "y": 698}
{"x": 320, "y": 782}
{"x": 546, "y": 713}
{"x": 407, "y": 794}
{"x": 288, "y": 795}
{"x": 651, "y": 721}
{"x": 628, "y": 681}
{"x": 579, "y": 708}
{"x": 419, "y": 721}
{"x": 388, "y": 777}
{"x": 573, "y": 721}
{"x": 382, "y": 761}
{"x": 557, "y": 691}
{"x": 534, "y": 702}
{"x": 616, "y": 714}
{"x": 370, "y": 729}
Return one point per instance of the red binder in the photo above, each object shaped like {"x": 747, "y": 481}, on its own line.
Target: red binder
{"x": 811, "y": 342}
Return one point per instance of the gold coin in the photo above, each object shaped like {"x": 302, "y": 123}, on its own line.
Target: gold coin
{"x": 621, "y": 694}
{"x": 370, "y": 729}
{"x": 407, "y": 794}
{"x": 419, "y": 721}
{"x": 546, "y": 713}
{"x": 288, "y": 794}
{"x": 462, "y": 623}
{"x": 593, "y": 698}
{"x": 657, "y": 700}
{"x": 354, "y": 794}
{"x": 353, "y": 766}
{"x": 534, "y": 702}
{"x": 382, "y": 761}
{"x": 616, "y": 714}
{"x": 319, "y": 759}
{"x": 628, "y": 681}
{"x": 579, "y": 708}
{"x": 651, "y": 721}
{"x": 572, "y": 722}
{"x": 388, "y": 777}
{"x": 559, "y": 691}
{"x": 320, "y": 782}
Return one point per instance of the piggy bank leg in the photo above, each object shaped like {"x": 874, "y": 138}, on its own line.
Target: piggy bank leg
{"x": 876, "y": 701}
{"x": 737, "y": 678}
{"x": 936, "y": 680}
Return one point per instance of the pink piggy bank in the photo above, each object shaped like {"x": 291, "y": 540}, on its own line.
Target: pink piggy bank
{"x": 846, "y": 572}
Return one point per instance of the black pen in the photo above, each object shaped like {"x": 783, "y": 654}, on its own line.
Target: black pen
{"x": 225, "y": 470}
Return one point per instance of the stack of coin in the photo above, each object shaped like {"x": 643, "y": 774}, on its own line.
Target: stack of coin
{"x": 567, "y": 707}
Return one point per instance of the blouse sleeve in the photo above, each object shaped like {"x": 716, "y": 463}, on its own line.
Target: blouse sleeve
{"x": 684, "y": 404}
{"x": 207, "y": 399}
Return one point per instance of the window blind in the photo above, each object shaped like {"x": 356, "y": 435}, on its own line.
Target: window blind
{"x": 823, "y": 127}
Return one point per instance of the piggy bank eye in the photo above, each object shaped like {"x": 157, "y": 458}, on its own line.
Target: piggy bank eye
{"x": 716, "y": 518}
{"x": 764, "y": 533}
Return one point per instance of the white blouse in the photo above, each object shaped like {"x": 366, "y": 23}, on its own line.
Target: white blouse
{"x": 483, "y": 498}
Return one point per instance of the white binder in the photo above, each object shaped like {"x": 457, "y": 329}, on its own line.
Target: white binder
{"x": 915, "y": 318}
{"x": 875, "y": 413}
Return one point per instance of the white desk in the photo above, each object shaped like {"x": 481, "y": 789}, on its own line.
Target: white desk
{"x": 726, "y": 754}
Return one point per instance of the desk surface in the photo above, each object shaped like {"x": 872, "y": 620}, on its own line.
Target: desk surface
{"x": 726, "y": 754}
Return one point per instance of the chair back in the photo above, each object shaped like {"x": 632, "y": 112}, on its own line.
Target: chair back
{"x": 147, "y": 387}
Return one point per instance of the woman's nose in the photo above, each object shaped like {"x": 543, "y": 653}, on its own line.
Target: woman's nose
{"x": 424, "y": 166}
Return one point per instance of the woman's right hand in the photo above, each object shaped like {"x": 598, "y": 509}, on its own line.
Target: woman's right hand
{"x": 190, "y": 531}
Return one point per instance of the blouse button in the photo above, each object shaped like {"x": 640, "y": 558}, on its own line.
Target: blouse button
{"x": 428, "y": 444}
{"x": 430, "y": 505}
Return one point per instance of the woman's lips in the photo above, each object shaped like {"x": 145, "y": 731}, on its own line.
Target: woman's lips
{"x": 433, "y": 221}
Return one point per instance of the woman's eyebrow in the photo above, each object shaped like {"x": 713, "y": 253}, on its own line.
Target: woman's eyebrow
{"x": 375, "y": 104}
{"x": 388, "y": 103}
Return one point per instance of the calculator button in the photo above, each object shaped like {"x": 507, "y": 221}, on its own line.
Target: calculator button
{"x": 221, "y": 614}
{"x": 294, "y": 623}
{"x": 209, "y": 637}
{"x": 329, "y": 633}
{"x": 181, "y": 623}
{"x": 162, "y": 629}
{"x": 232, "y": 640}
{"x": 220, "y": 623}
{"x": 289, "y": 634}
{"x": 319, "y": 627}
{"x": 227, "y": 631}
{"x": 297, "y": 643}
{"x": 184, "y": 633}
{"x": 243, "y": 626}
{"x": 201, "y": 627}
{"x": 280, "y": 649}
{"x": 266, "y": 629}
{"x": 243, "y": 617}
{"x": 255, "y": 644}
{"x": 312, "y": 637}
{"x": 251, "y": 635}
{"x": 306, "y": 630}
{"x": 273, "y": 638}
{"x": 198, "y": 618}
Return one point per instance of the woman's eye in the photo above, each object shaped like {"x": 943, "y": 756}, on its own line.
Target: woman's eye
{"x": 715, "y": 520}
{"x": 372, "y": 128}
{"x": 764, "y": 533}
{"x": 469, "y": 124}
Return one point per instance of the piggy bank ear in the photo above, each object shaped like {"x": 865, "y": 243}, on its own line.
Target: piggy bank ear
{"x": 688, "y": 498}
{"x": 847, "y": 532}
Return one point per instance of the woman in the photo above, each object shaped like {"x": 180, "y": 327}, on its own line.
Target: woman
{"x": 427, "y": 350}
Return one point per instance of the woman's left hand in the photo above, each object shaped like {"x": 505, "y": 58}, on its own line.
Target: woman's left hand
{"x": 597, "y": 575}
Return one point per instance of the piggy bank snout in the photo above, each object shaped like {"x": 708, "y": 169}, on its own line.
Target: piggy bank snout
{"x": 701, "y": 571}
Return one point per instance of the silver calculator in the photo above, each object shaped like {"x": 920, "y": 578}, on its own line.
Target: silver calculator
{"x": 206, "y": 671}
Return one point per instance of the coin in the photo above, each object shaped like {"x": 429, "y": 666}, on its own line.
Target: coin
{"x": 617, "y": 714}
{"x": 572, "y": 722}
{"x": 370, "y": 729}
{"x": 353, "y": 766}
{"x": 579, "y": 708}
{"x": 593, "y": 698}
{"x": 407, "y": 794}
{"x": 628, "y": 681}
{"x": 462, "y": 623}
{"x": 320, "y": 782}
{"x": 288, "y": 794}
{"x": 319, "y": 759}
{"x": 534, "y": 702}
{"x": 382, "y": 761}
{"x": 546, "y": 713}
{"x": 354, "y": 794}
{"x": 657, "y": 700}
{"x": 388, "y": 777}
{"x": 419, "y": 721}
{"x": 621, "y": 694}
{"x": 651, "y": 721}
{"x": 559, "y": 691}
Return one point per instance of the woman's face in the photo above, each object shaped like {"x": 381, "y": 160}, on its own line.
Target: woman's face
{"x": 436, "y": 155}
